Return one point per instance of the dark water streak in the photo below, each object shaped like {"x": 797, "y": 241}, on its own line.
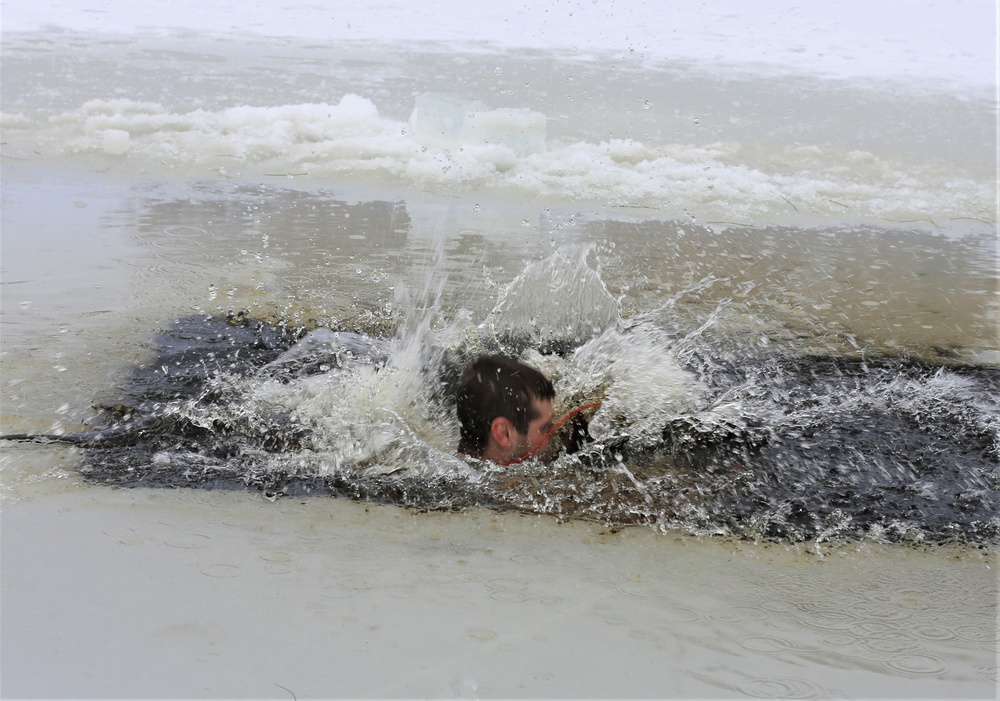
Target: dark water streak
{"x": 821, "y": 447}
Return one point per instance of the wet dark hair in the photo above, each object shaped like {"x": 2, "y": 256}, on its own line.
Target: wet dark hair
{"x": 493, "y": 386}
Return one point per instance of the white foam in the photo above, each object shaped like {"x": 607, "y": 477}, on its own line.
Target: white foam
{"x": 366, "y": 421}
{"x": 638, "y": 379}
{"x": 714, "y": 182}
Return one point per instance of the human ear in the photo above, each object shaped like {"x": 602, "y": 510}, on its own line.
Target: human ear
{"x": 500, "y": 429}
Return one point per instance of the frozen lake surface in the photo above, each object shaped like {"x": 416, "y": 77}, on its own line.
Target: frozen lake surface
{"x": 765, "y": 239}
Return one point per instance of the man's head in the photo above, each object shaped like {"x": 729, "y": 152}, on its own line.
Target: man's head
{"x": 504, "y": 407}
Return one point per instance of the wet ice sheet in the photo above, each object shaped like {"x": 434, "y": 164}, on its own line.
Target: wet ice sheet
{"x": 329, "y": 598}
{"x": 334, "y": 250}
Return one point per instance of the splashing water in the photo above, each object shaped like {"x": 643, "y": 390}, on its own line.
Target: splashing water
{"x": 543, "y": 305}
{"x": 687, "y": 436}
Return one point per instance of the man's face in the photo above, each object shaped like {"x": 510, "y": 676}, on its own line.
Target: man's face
{"x": 542, "y": 409}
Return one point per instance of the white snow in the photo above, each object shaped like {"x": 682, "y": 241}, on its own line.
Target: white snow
{"x": 954, "y": 41}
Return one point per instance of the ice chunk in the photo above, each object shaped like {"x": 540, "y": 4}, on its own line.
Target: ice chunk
{"x": 442, "y": 115}
{"x": 445, "y": 120}
{"x": 522, "y": 130}
{"x": 115, "y": 141}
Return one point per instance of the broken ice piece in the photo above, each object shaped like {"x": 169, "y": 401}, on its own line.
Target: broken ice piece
{"x": 445, "y": 120}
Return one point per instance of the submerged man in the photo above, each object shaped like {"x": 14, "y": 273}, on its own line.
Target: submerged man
{"x": 505, "y": 410}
